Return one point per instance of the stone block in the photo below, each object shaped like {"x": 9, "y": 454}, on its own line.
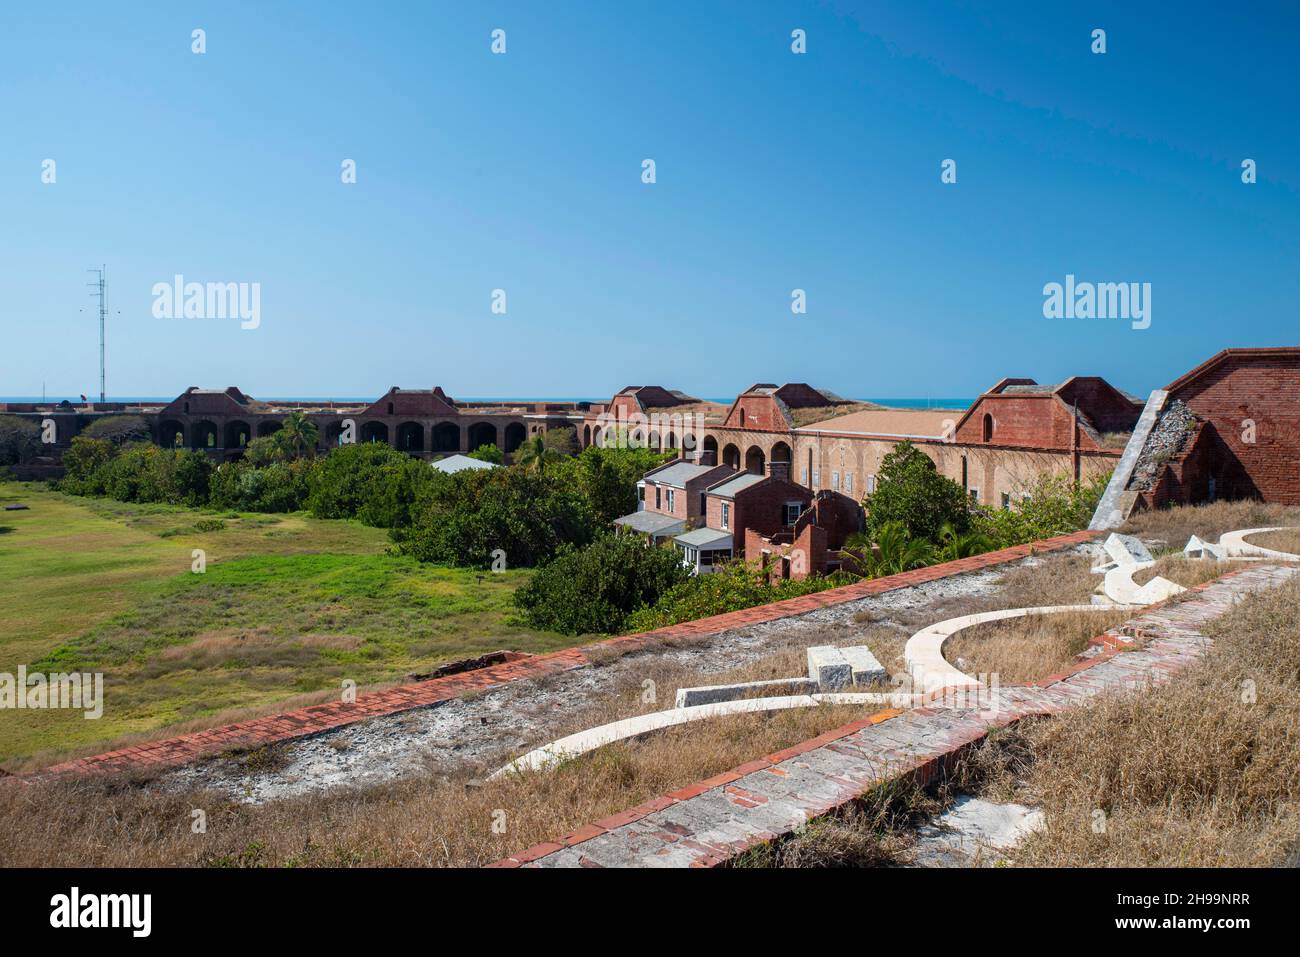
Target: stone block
{"x": 829, "y": 668}
{"x": 866, "y": 669}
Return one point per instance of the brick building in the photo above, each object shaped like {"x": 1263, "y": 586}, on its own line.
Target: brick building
{"x": 1243, "y": 440}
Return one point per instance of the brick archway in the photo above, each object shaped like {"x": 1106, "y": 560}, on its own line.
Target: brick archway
{"x": 410, "y": 437}
{"x": 374, "y": 432}
{"x": 731, "y": 456}
{"x": 446, "y": 437}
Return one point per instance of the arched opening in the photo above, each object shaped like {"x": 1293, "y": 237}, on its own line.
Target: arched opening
{"x": 670, "y": 441}
{"x": 514, "y": 436}
{"x": 988, "y": 427}
{"x": 237, "y": 434}
{"x": 374, "y": 432}
{"x": 266, "y": 428}
{"x": 710, "y": 450}
{"x": 755, "y": 460}
{"x": 333, "y": 432}
{"x": 602, "y": 438}
{"x": 203, "y": 435}
{"x": 410, "y": 437}
{"x": 482, "y": 433}
{"x": 653, "y": 441}
{"x": 781, "y": 460}
{"x": 586, "y": 436}
{"x": 171, "y": 434}
{"x": 731, "y": 457}
{"x": 446, "y": 437}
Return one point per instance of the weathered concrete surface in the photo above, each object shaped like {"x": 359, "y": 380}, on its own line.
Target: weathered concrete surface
{"x": 974, "y": 833}
{"x": 1115, "y": 504}
{"x": 711, "y": 822}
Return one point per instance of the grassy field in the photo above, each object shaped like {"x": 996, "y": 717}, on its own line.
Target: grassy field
{"x": 288, "y": 607}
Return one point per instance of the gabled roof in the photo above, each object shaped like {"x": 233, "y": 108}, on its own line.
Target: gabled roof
{"x": 413, "y": 402}
{"x": 678, "y": 473}
{"x": 728, "y": 488}
{"x": 652, "y": 523}
{"x": 461, "y": 463}
{"x": 1272, "y": 352}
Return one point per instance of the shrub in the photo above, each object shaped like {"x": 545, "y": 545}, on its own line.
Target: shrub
{"x": 730, "y": 588}
{"x": 461, "y": 518}
{"x": 146, "y": 473}
{"x": 912, "y": 493}
{"x": 607, "y": 478}
{"x": 85, "y": 465}
{"x": 488, "y": 453}
{"x": 118, "y": 429}
{"x": 593, "y": 589}
{"x": 20, "y": 440}
{"x": 1055, "y": 505}
{"x": 370, "y": 481}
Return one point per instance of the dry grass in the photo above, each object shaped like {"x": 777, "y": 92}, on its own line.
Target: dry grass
{"x": 415, "y": 822}
{"x": 1021, "y": 650}
{"x": 1186, "y": 572}
{"x": 1200, "y": 772}
{"x": 1174, "y": 526}
{"x": 1287, "y": 541}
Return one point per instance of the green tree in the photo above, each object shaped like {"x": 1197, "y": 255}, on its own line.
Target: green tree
{"x": 465, "y": 517}
{"x": 368, "y": 480}
{"x": 297, "y": 435}
{"x": 488, "y": 453}
{"x": 894, "y": 551}
{"x": 911, "y": 492}
{"x": 20, "y": 440}
{"x": 592, "y": 590}
{"x": 85, "y": 465}
{"x": 534, "y": 454}
{"x": 118, "y": 429}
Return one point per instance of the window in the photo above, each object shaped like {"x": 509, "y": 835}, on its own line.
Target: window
{"x": 871, "y": 483}
{"x": 726, "y": 515}
{"x": 975, "y": 495}
{"x": 817, "y": 478}
{"x": 835, "y": 481}
{"x": 804, "y": 479}
{"x": 988, "y": 427}
{"x": 1006, "y": 499}
{"x": 640, "y": 492}
{"x": 704, "y": 504}
{"x": 848, "y": 482}
{"x": 792, "y": 511}
{"x": 658, "y": 497}
{"x": 672, "y": 501}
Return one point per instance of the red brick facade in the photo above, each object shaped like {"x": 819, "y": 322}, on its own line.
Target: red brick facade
{"x": 1248, "y": 441}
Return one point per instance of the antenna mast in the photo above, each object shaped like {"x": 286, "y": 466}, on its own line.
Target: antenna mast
{"x": 98, "y": 285}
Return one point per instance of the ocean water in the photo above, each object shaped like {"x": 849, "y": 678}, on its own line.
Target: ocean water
{"x": 894, "y": 403}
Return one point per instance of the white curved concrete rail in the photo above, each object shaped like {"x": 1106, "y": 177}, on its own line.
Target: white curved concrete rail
{"x": 584, "y": 741}
{"x": 1122, "y": 590}
{"x": 1234, "y": 544}
{"x": 923, "y": 654}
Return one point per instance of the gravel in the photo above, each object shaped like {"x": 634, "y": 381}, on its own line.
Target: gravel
{"x": 476, "y": 734}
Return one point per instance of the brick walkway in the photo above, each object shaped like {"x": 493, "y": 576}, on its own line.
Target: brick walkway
{"x": 711, "y": 822}
{"x": 317, "y": 719}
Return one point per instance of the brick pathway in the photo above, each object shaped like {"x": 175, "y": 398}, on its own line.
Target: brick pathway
{"x": 711, "y": 822}
{"x": 317, "y": 719}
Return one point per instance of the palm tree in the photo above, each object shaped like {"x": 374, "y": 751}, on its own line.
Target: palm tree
{"x": 954, "y": 545}
{"x": 298, "y": 434}
{"x": 894, "y": 551}
{"x": 535, "y": 453}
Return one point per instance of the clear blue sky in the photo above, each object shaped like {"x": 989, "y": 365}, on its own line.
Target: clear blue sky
{"x": 523, "y": 172}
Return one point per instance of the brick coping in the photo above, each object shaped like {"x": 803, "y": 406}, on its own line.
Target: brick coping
{"x": 320, "y": 718}
{"x": 1170, "y": 627}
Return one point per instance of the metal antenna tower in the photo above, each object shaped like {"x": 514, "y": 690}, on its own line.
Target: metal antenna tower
{"x": 98, "y": 286}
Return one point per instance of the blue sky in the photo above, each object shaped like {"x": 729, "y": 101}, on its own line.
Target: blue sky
{"x": 522, "y": 172}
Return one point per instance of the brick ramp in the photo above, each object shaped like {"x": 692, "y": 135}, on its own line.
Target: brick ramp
{"x": 317, "y": 719}
{"x": 711, "y": 822}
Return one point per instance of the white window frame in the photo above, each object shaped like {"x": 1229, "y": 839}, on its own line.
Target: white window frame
{"x": 726, "y": 516}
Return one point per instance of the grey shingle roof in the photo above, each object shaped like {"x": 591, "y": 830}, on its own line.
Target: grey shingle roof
{"x": 731, "y": 486}
{"x": 711, "y": 538}
{"x": 651, "y": 523}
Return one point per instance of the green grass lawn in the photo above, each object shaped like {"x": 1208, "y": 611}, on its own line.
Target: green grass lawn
{"x": 289, "y": 605}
